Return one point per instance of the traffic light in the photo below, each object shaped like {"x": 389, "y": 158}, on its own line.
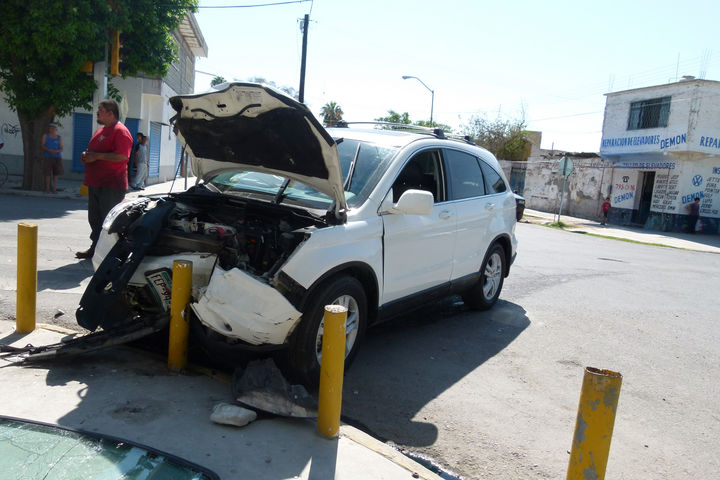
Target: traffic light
{"x": 115, "y": 54}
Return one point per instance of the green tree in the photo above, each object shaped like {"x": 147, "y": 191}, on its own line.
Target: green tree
{"x": 217, "y": 81}
{"x": 441, "y": 126}
{"x": 332, "y": 113}
{"x": 404, "y": 119}
{"x": 504, "y": 138}
{"x": 395, "y": 117}
{"x": 44, "y": 45}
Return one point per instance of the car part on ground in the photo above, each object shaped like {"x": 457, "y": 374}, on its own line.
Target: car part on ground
{"x": 261, "y": 386}
{"x": 119, "y": 335}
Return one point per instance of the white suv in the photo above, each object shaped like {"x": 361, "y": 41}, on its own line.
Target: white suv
{"x": 288, "y": 217}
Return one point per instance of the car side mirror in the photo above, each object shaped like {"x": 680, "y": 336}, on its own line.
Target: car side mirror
{"x": 414, "y": 202}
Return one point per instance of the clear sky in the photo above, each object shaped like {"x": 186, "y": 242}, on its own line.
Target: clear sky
{"x": 550, "y": 62}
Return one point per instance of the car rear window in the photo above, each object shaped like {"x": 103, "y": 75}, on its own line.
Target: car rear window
{"x": 493, "y": 181}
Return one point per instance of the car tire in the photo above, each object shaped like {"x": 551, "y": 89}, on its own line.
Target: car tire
{"x": 485, "y": 293}
{"x": 306, "y": 346}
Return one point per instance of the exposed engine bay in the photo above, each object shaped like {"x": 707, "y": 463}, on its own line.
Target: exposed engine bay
{"x": 236, "y": 245}
{"x": 254, "y": 238}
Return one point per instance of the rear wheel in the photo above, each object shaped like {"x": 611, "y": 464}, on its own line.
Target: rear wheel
{"x": 485, "y": 293}
{"x": 306, "y": 346}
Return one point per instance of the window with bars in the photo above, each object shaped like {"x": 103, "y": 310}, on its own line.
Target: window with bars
{"x": 651, "y": 113}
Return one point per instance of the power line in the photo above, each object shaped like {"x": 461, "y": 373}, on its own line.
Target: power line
{"x": 273, "y": 4}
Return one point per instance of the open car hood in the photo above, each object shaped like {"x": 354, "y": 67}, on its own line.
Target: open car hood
{"x": 257, "y": 128}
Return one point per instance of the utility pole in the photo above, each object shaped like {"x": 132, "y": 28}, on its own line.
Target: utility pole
{"x": 306, "y": 20}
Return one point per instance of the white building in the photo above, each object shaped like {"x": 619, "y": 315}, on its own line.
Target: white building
{"x": 663, "y": 143}
{"x": 144, "y": 108}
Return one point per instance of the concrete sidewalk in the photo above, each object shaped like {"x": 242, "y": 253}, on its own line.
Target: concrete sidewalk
{"x": 699, "y": 242}
{"x": 69, "y": 187}
{"x": 130, "y": 394}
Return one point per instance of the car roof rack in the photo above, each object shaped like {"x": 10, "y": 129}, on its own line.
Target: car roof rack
{"x": 437, "y": 132}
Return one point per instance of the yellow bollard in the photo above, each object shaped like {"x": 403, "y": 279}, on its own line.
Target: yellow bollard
{"x": 594, "y": 424}
{"x": 179, "y": 323}
{"x": 26, "y": 277}
{"x": 332, "y": 368}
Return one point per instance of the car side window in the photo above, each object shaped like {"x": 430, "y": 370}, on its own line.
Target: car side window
{"x": 422, "y": 172}
{"x": 493, "y": 182}
{"x": 466, "y": 177}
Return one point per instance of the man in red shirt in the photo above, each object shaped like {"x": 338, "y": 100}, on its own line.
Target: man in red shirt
{"x": 106, "y": 163}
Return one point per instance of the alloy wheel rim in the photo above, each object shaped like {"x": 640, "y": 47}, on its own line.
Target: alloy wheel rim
{"x": 493, "y": 276}
{"x": 351, "y": 325}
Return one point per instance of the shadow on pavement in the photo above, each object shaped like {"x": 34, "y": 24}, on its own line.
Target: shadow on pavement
{"x": 408, "y": 362}
{"x": 130, "y": 395}
{"x": 65, "y": 277}
{"x": 42, "y": 208}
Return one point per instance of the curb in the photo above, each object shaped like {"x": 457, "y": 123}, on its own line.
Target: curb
{"x": 395, "y": 456}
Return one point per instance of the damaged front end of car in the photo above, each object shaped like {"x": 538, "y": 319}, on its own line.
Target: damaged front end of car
{"x": 236, "y": 247}
{"x": 237, "y": 240}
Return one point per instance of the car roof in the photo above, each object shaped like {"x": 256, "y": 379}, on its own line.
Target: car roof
{"x": 401, "y": 138}
{"x": 387, "y": 138}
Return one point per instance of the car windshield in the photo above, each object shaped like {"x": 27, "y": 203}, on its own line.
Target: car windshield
{"x": 36, "y": 451}
{"x": 362, "y": 165}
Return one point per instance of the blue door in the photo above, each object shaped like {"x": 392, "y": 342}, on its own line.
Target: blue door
{"x": 132, "y": 124}
{"x": 82, "y": 133}
{"x": 155, "y": 132}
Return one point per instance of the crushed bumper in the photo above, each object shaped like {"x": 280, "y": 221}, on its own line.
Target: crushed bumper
{"x": 238, "y": 306}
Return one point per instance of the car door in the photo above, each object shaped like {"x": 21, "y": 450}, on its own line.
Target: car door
{"x": 474, "y": 209}
{"x": 418, "y": 249}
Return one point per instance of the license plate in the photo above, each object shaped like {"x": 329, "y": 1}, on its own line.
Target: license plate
{"x": 160, "y": 282}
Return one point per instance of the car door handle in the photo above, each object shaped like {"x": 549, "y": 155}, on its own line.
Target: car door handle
{"x": 445, "y": 214}
{"x": 489, "y": 206}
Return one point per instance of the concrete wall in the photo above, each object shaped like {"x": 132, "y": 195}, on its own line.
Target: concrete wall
{"x": 585, "y": 188}
{"x": 12, "y": 153}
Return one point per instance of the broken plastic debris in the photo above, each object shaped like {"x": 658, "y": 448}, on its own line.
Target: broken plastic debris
{"x": 262, "y": 386}
{"x": 228, "y": 414}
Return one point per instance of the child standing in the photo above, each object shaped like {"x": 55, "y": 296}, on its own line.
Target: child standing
{"x": 605, "y": 210}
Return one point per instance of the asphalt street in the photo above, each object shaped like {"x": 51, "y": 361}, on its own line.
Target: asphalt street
{"x": 495, "y": 394}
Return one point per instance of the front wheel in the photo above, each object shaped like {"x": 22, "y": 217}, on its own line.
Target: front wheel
{"x": 306, "y": 346}
{"x": 485, "y": 293}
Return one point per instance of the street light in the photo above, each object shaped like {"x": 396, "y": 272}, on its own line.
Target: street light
{"x": 432, "y": 101}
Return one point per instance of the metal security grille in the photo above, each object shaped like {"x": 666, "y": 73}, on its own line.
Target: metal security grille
{"x": 178, "y": 154}
{"x": 651, "y": 113}
{"x": 155, "y": 139}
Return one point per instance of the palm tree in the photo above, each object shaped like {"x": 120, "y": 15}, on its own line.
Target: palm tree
{"x": 217, "y": 81}
{"x": 331, "y": 113}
